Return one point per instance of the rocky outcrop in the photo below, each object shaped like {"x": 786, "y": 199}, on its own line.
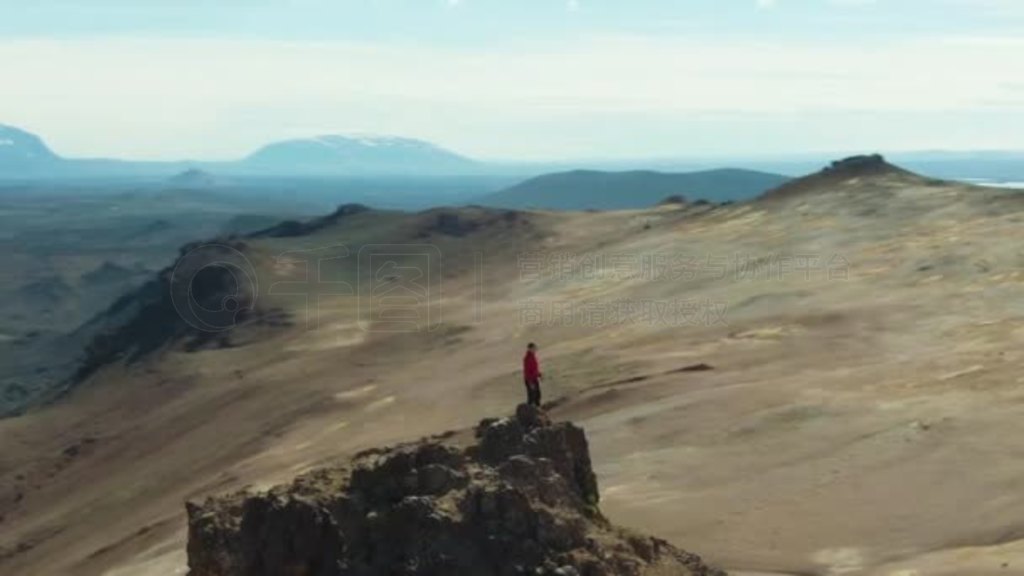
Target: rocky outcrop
{"x": 860, "y": 164}
{"x": 868, "y": 167}
{"x": 519, "y": 499}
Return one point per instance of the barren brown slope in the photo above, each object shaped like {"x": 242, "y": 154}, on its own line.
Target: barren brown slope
{"x": 861, "y": 416}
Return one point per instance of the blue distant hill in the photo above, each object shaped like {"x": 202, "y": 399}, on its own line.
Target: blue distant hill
{"x": 334, "y": 154}
{"x": 25, "y": 155}
{"x": 596, "y": 190}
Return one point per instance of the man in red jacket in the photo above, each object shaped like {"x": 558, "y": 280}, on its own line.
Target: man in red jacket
{"x": 531, "y": 375}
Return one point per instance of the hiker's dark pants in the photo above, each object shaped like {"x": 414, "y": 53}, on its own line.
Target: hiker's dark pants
{"x": 533, "y": 392}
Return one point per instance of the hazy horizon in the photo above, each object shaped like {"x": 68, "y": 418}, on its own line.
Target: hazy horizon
{"x": 699, "y": 161}
{"x": 538, "y": 80}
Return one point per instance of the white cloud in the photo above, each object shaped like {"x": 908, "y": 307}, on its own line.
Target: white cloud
{"x": 180, "y": 98}
{"x": 987, "y": 41}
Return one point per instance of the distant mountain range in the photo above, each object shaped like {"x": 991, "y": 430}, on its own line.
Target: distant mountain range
{"x": 591, "y": 189}
{"x": 22, "y": 152}
{"x": 25, "y": 155}
{"x": 354, "y": 154}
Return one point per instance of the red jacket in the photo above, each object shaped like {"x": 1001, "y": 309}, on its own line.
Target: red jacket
{"x": 531, "y": 368}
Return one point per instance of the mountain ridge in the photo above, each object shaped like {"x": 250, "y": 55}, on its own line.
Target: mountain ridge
{"x": 841, "y": 369}
{"x": 26, "y": 155}
{"x": 598, "y": 189}
{"x": 982, "y": 164}
{"x": 850, "y": 170}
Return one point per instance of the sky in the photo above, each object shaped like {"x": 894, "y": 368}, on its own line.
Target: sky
{"x": 516, "y": 79}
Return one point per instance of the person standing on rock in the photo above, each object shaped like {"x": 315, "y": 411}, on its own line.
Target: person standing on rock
{"x": 531, "y": 375}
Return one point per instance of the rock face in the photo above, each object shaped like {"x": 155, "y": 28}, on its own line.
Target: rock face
{"x": 208, "y": 291}
{"x": 521, "y": 499}
{"x": 863, "y": 164}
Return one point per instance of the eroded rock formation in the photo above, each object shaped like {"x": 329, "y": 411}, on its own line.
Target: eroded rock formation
{"x": 521, "y": 498}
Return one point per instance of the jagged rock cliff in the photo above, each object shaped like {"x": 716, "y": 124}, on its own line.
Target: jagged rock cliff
{"x": 520, "y": 499}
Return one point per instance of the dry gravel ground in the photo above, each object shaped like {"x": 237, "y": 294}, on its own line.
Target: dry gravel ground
{"x": 864, "y": 413}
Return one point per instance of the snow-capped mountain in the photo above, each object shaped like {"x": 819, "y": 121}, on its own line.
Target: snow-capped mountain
{"x": 25, "y": 155}
{"x": 21, "y": 151}
{"x": 357, "y": 153}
